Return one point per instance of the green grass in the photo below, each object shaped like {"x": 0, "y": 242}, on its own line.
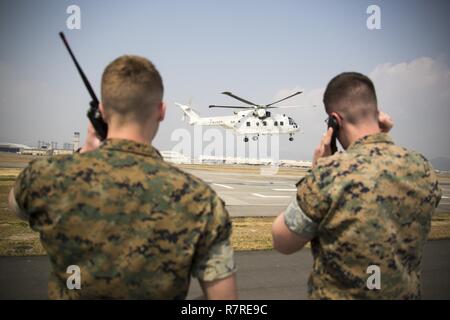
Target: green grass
{"x": 250, "y": 233}
{"x": 16, "y": 237}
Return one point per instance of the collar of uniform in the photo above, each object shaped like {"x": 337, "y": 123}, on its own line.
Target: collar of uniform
{"x": 131, "y": 147}
{"x": 371, "y": 138}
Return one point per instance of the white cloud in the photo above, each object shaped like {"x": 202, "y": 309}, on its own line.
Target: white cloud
{"x": 417, "y": 95}
{"x": 422, "y": 81}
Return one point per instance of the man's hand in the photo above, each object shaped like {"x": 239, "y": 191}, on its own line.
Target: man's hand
{"x": 385, "y": 122}
{"x": 92, "y": 141}
{"x": 324, "y": 148}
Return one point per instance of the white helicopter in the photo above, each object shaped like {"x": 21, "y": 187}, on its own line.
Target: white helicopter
{"x": 253, "y": 121}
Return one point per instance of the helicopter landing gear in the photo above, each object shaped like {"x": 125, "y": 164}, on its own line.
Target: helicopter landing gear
{"x": 254, "y": 138}
{"x": 291, "y": 138}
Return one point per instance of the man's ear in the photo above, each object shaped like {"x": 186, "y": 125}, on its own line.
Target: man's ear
{"x": 161, "y": 111}
{"x": 338, "y": 118}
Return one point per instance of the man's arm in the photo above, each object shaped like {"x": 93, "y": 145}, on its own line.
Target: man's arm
{"x": 222, "y": 289}
{"x": 286, "y": 241}
{"x": 295, "y": 227}
{"x": 213, "y": 264}
{"x": 14, "y": 207}
{"x": 292, "y": 229}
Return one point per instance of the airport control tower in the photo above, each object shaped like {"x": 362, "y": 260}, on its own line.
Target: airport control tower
{"x": 76, "y": 140}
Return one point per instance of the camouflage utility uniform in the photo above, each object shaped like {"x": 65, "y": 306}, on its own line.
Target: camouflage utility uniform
{"x": 136, "y": 226}
{"x": 371, "y": 205}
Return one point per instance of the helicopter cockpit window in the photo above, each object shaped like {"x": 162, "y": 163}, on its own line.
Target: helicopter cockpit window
{"x": 248, "y": 123}
{"x": 281, "y": 123}
{"x": 275, "y": 123}
{"x": 264, "y": 123}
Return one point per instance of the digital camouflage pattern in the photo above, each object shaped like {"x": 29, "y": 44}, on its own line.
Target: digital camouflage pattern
{"x": 137, "y": 227}
{"x": 372, "y": 205}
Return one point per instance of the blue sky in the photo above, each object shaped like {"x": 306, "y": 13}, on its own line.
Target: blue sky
{"x": 256, "y": 49}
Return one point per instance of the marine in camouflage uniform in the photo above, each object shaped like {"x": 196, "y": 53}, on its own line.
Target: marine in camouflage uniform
{"x": 371, "y": 205}
{"x": 136, "y": 226}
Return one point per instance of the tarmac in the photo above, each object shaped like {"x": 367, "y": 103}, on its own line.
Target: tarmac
{"x": 261, "y": 275}
{"x": 249, "y": 194}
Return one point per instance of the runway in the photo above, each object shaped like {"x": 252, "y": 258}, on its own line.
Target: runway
{"x": 251, "y": 194}
{"x": 248, "y": 194}
{"x": 260, "y": 275}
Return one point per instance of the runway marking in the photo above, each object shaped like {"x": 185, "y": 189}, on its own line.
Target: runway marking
{"x": 263, "y": 196}
{"x": 445, "y": 197}
{"x": 284, "y": 189}
{"x": 222, "y": 185}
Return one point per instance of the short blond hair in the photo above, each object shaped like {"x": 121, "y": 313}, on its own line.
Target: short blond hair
{"x": 132, "y": 88}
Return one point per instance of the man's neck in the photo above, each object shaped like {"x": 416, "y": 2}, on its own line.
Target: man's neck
{"x": 131, "y": 132}
{"x": 355, "y": 133}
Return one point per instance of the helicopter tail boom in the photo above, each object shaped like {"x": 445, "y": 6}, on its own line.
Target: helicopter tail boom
{"x": 191, "y": 114}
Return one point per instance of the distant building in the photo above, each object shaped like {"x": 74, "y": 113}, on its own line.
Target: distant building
{"x": 295, "y": 163}
{"x": 76, "y": 140}
{"x": 12, "y": 147}
{"x": 68, "y": 146}
{"x": 35, "y": 152}
{"x": 203, "y": 159}
{"x": 61, "y": 151}
{"x": 233, "y": 160}
{"x": 44, "y": 150}
{"x": 175, "y": 157}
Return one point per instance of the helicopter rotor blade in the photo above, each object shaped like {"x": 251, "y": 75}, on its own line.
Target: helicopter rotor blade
{"x": 286, "y": 107}
{"x": 292, "y": 95}
{"x": 239, "y": 98}
{"x": 230, "y": 107}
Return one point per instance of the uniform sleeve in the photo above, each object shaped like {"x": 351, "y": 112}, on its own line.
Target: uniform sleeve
{"x": 436, "y": 189}
{"x": 30, "y": 192}
{"x": 214, "y": 258}
{"x": 22, "y": 190}
{"x": 312, "y": 198}
{"x": 297, "y": 221}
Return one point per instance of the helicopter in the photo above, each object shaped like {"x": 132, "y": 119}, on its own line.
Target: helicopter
{"x": 253, "y": 120}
